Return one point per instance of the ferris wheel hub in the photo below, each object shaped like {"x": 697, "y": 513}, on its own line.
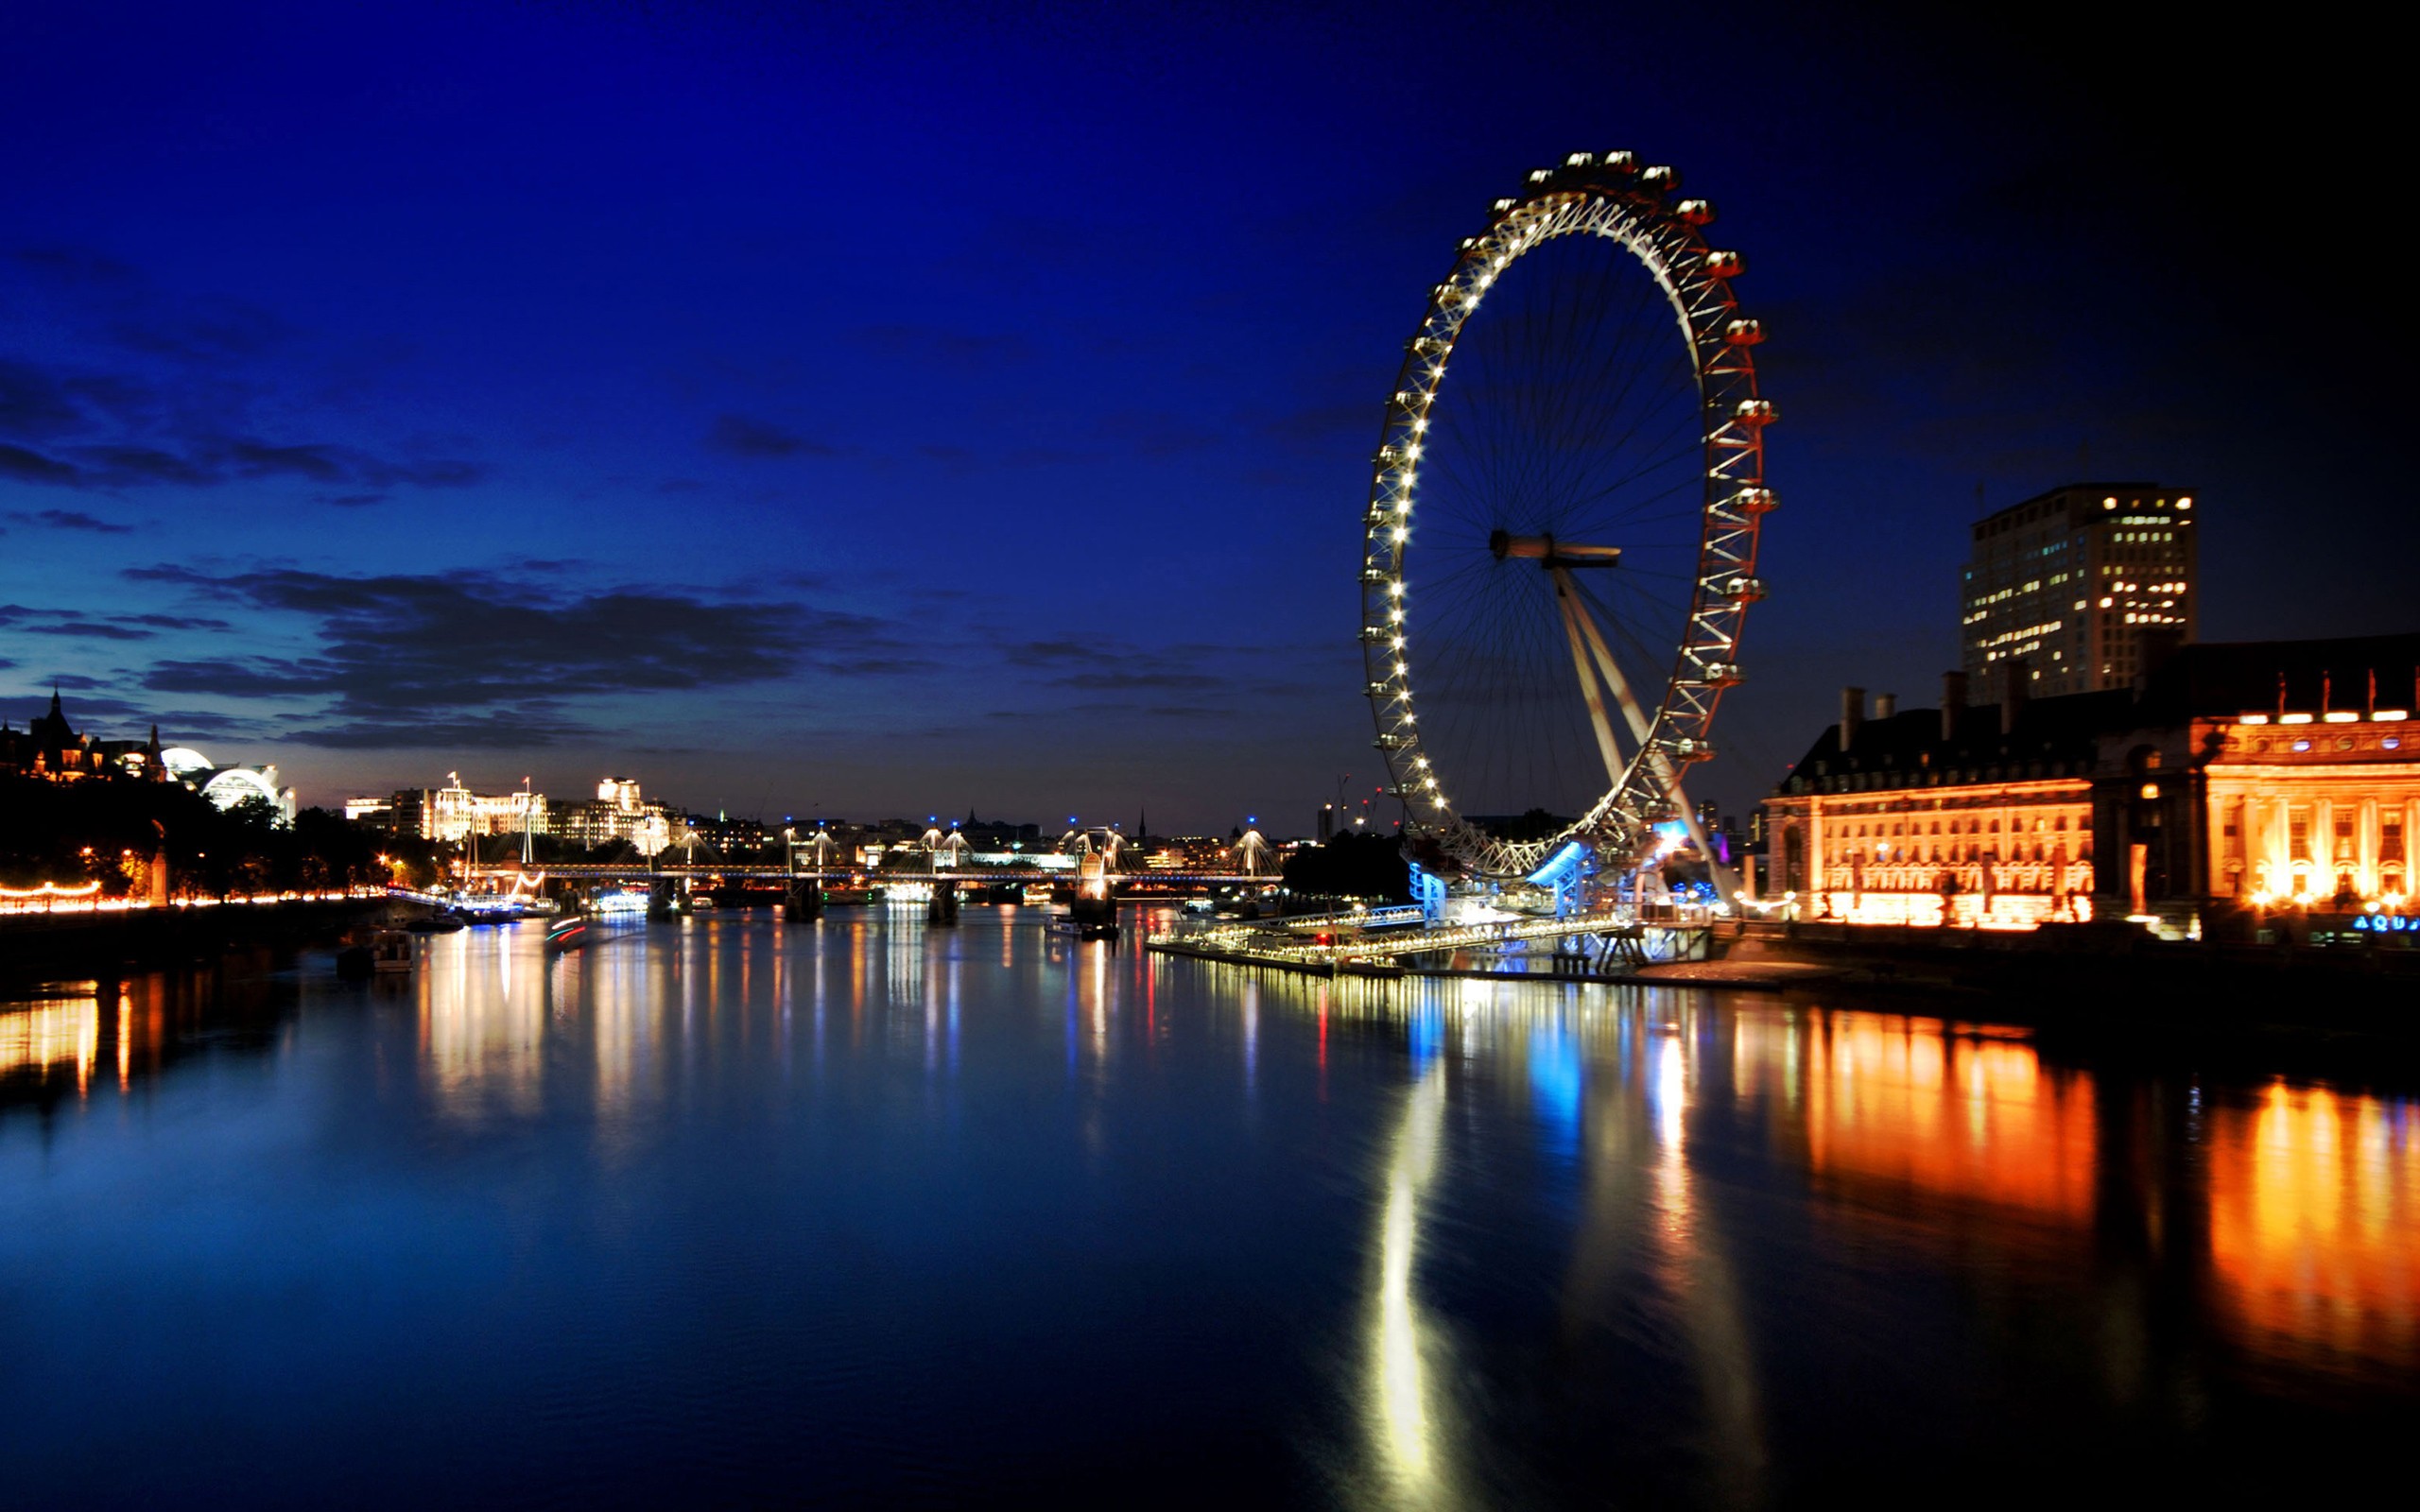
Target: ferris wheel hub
{"x": 1549, "y": 552}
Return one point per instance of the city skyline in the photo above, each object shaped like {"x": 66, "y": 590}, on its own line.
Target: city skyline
{"x": 894, "y": 417}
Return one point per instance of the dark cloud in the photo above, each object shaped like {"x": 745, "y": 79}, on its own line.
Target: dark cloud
{"x": 84, "y": 710}
{"x": 1057, "y": 653}
{"x": 71, "y": 520}
{"x": 119, "y": 465}
{"x": 469, "y": 658}
{"x": 1321, "y": 429}
{"x": 877, "y": 666}
{"x": 743, "y": 437}
{"x": 1155, "y": 433}
{"x": 32, "y": 467}
{"x": 175, "y": 622}
{"x": 34, "y": 403}
{"x": 350, "y": 501}
{"x": 202, "y": 332}
{"x": 1136, "y": 681}
{"x": 208, "y": 461}
{"x": 98, "y": 627}
{"x": 961, "y": 348}
{"x": 512, "y": 730}
{"x": 92, "y": 630}
{"x": 76, "y": 265}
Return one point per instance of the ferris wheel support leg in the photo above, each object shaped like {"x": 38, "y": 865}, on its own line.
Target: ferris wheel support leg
{"x": 1573, "y": 619}
{"x": 1726, "y": 883}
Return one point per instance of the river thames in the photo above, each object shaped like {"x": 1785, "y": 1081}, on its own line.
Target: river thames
{"x": 734, "y": 1213}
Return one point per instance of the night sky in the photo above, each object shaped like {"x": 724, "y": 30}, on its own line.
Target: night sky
{"x": 868, "y": 411}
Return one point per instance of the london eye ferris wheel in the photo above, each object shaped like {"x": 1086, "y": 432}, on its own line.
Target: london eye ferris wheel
{"x": 1563, "y": 524}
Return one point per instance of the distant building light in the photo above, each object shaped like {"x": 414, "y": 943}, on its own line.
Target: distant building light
{"x": 2293, "y": 720}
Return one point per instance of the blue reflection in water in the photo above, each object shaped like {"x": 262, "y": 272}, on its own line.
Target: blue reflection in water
{"x": 1424, "y": 1025}
{"x": 1554, "y": 1085}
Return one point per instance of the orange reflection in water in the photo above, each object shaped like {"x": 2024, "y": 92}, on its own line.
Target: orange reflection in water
{"x": 2314, "y": 1201}
{"x": 1901, "y": 1101}
{"x": 65, "y": 1034}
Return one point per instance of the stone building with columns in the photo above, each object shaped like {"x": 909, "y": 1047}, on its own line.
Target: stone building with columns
{"x": 2253, "y": 775}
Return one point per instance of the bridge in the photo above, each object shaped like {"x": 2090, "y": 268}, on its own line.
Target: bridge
{"x": 644, "y": 872}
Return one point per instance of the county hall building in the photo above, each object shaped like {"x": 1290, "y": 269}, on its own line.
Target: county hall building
{"x": 2225, "y": 778}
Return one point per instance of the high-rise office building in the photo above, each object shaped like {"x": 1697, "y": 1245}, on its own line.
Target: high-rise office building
{"x": 2085, "y": 585}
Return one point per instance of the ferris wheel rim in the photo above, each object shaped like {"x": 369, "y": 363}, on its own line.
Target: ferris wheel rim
{"x": 1612, "y": 196}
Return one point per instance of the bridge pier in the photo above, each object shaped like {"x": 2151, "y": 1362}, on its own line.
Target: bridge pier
{"x": 941, "y": 908}
{"x": 802, "y": 900}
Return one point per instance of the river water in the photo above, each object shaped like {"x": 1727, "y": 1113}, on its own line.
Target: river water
{"x": 729, "y": 1211}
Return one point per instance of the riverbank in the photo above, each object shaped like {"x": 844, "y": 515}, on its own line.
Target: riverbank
{"x": 36, "y": 947}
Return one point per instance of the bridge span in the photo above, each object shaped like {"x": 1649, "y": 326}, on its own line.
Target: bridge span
{"x": 1057, "y": 877}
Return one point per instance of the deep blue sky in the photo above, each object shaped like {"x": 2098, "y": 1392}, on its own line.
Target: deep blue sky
{"x": 878, "y": 411}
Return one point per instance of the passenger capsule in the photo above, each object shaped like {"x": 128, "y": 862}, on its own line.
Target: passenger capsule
{"x": 1745, "y": 589}
{"x": 1662, "y": 178}
{"x": 1755, "y": 501}
{"x": 1744, "y": 333}
{"x": 1755, "y": 412}
{"x": 1622, "y": 162}
{"x": 1695, "y": 211}
{"x": 1724, "y": 265}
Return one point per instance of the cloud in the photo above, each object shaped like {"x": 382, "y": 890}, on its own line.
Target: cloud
{"x": 471, "y": 658}
{"x": 1057, "y": 653}
{"x": 176, "y": 622}
{"x": 1135, "y": 680}
{"x": 176, "y": 391}
{"x": 90, "y": 630}
{"x": 32, "y": 467}
{"x": 743, "y": 437}
{"x": 350, "y": 501}
{"x": 211, "y": 460}
{"x": 205, "y": 331}
{"x": 74, "y": 624}
{"x": 1094, "y": 667}
{"x": 512, "y": 730}
{"x": 74, "y": 265}
{"x": 34, "y": 403}
{"x": 71, "y": 520}
{"x": 961, "y": 348}
{"x": 1156, "y": 432}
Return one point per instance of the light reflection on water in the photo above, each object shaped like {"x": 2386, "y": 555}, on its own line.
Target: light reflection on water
{"x": 1423, "y": 1243}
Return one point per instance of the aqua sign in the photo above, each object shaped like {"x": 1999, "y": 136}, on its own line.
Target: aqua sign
{"x": 2386, "y": 924}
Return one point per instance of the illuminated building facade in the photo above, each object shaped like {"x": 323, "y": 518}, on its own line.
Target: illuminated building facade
{"x": 2239, "y": 776}
{"x": 617, "y": 812}
{"x": 453, "y": 812}
{"x": 230, "y": 786}
{"x": 2084, "y": 587}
